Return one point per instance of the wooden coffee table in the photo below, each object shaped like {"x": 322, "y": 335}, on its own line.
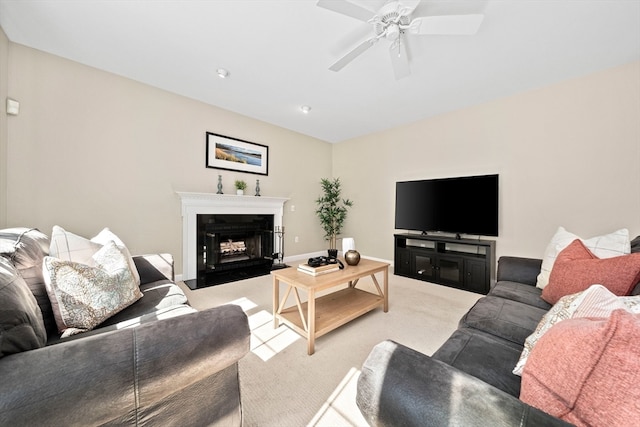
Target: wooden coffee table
{"x": 319, "y": 315}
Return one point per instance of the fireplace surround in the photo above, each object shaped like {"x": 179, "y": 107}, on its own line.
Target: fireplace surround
{"x": 224, "y": 207}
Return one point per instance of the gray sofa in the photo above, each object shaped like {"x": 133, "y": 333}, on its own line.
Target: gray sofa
{"x": 157, "y": 362}
{"x": 469, "y": 380}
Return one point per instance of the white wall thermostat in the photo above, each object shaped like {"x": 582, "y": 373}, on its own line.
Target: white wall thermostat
{"x": 13, "y": 107}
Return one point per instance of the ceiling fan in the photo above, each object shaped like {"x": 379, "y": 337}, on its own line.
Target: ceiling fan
{"x": 393, "y": 22}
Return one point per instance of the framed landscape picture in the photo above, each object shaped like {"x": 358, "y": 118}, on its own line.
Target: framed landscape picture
{"x": 224, "y": 152}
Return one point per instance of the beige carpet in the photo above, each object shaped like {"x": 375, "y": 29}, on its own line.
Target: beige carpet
{"x": 283, "y": 386}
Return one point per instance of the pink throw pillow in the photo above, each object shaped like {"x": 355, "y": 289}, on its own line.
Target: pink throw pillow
{"x": 586, "y": 371}
{"x": 577, "y": 268}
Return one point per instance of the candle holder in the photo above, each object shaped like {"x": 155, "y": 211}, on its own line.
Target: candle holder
{"x": 219, "y": 185}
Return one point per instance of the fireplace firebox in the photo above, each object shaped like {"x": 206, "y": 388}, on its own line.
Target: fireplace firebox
{"x": 232, "y": 247}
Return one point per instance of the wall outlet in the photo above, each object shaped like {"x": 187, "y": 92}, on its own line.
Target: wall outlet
{"x": 293, "y": 208}
{"x": 296, "y": 239}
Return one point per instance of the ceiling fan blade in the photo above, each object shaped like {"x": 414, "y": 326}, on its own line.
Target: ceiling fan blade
{"x": 447, "y": 24}
{"x": 342, "y": 62}
{"x": 408, "y": 6}
{"x": 399, "y": 59}
{"x": 347, "y": 8}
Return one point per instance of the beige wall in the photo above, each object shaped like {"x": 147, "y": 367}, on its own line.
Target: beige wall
{"x": 91, "y": 149}
{"x": 4, "y": 69}
{"x": 567, "y": 154}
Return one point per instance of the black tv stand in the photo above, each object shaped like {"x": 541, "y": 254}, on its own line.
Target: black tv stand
{"x": 467, "y": 264}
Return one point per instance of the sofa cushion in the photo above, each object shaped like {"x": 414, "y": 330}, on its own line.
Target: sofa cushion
{"x": 518, "y": 269}
{"x": 511, "y": 320}
{"x": 635, "y": 245}
{"x": 154, "y": 267}
{"x": 484, "y": 356}
{"x": 595, "y": 382}
{"x": 21, "y": 324}
{"x": 577, "y": 268}
{"x": 83, "y": 296}
{"x": 26, "y": 247}
{"x": 71, "y": 247}
{"x": 526, "y": 294}
{"x": 606, "y": 246}
{"x": 129, "y": 322}
{"x": 158, "y": 296}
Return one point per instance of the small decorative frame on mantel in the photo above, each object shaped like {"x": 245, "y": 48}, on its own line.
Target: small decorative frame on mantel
{"x": 224, "y": 152}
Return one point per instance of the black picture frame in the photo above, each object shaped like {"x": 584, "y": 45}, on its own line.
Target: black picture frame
{"x": 233, "y": 154}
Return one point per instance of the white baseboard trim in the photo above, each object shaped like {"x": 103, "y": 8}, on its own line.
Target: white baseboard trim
{"x": 324, "y": 253}
{"x": 300, "y": 257}
{"x": 378, "y": 259}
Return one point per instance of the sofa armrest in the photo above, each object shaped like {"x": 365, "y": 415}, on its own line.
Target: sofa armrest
{"x": 521, "y": 270}
{"x": 400, "y": 386}
{"x": 154, "y": 267}
{"x": 123, "y": 376}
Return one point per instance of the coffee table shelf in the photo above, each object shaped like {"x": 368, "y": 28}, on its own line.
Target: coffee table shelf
{"x": 321, "y": 314}
{"x": 333, "y": 310}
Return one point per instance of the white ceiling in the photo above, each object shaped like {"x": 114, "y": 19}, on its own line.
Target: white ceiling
{"x": 278, "y": 53}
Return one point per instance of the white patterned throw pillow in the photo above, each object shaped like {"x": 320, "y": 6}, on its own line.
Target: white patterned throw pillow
{"x": 83, "y": 296}
{"x": 605, "y": 246}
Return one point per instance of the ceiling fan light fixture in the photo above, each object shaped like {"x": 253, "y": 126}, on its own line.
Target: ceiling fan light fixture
{"x": 305, "y": 109}
{"x": 393, "y": 32}
{"x": 222, "y": 73}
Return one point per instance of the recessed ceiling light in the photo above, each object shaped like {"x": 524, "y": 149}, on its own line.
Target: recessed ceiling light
{"x": 222, "y": 73}
{"x": 305, "y": 109}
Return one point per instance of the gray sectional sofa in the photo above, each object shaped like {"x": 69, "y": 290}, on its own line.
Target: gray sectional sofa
{"x": 468, "y": 381}
{"x": 157, "y": 362}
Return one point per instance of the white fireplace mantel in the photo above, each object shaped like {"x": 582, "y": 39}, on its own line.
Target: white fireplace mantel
{"x": 194, "y": 204}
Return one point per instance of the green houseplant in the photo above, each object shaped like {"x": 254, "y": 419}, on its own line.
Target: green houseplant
{"x": 240, "y": 187}
{"x": 332, "y": 211}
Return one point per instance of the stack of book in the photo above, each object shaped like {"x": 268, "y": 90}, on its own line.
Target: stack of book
{"x": 316, "y": 271}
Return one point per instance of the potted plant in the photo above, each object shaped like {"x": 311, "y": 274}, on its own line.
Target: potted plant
{"x": 332, "y": 211}
{"x": 240, "y": 187}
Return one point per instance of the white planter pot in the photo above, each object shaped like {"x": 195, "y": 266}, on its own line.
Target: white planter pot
{"x": 240, "y": 192}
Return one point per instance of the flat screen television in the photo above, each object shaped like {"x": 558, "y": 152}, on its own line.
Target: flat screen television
{"x": 461, "y": 205}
